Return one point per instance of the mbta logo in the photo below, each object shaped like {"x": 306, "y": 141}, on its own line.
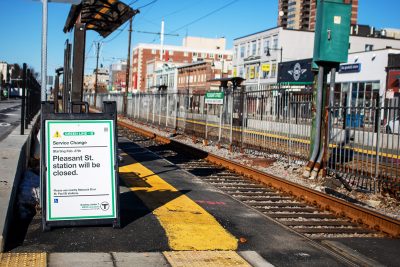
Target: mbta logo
{"x": 104, "y": 205}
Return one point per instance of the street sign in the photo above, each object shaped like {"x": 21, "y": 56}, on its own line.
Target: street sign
{"x": 350, "y": 68}
{"x": 80, "y": 173}
{"x": 216, "y": 98}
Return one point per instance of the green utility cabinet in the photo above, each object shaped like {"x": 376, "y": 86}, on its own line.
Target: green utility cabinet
{"x": 332, "y": 32}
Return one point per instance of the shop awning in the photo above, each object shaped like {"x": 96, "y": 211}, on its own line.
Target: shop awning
{"x": 102, "y": 16}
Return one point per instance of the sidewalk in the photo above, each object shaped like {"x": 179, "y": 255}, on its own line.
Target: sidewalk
{"x": 14, "y": 153}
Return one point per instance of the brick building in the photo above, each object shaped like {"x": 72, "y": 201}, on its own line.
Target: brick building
{"x": 194, "y": 78}
{"x": 192, "y": 50}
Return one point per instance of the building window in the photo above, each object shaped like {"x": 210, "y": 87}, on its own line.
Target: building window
{"x": 253, "y": 48}
{"x": 266, "y": 45}
{"x": 369, "y": 47}
{"x": 273, "y": 70}
{"x": 220, "y": 56}
{"x": 212, "y": 55}
{"x": 275, "y": 42}
{"x": 153, "y": 51}
{"x": 248, "y": 50}
{"x": 185, "y": 54}
{"x": 194, "y": 54}
{"x": 242, "y": 51}
{"x": 171, "y": 52}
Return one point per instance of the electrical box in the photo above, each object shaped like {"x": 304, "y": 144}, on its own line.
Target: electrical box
{"x": 332, "y": 31}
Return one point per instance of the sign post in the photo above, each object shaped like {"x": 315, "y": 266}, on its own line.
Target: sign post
{"x": 79, "y": 178}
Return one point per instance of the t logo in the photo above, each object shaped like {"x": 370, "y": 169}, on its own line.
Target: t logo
{"x": 104, "y": 205}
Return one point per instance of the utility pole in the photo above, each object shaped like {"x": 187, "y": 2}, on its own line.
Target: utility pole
{"x": 128, "y": 64}
{"x": 97, "y": 70}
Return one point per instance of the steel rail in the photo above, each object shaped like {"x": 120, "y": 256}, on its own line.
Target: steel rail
{"x": 370, "y": 219}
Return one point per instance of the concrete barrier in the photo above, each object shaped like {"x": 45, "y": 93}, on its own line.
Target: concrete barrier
{"x": 14, "y": 155}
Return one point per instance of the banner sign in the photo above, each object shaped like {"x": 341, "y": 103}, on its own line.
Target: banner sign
{"x": 350, "y": 68}
{"x": 298, "y": 71}
{"x": 266, "y": 67}
{"x": 214, "y": 98}
{"x": 80, "y": 169}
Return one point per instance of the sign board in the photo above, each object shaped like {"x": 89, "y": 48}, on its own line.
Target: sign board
{"x": 216, "y": 98}
{"x": 266, "y": 67}
{"x": 350, "y": 68}
{"x": 296, "y": 72}
{"x": 80, "y": 173}
{"x": 130, "y": 95}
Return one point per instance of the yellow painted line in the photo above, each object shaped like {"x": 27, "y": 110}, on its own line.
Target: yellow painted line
{"x": 23, "y": 260}
{"x": 205, "y": 258}
{"x": 187, "y": 225}
{"x": 285, "y": 138}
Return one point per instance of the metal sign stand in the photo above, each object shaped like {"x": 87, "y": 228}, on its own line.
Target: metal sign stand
{"x": 75, "y": 189}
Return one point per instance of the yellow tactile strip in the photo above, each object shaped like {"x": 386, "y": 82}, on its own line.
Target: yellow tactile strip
{"x": 22, "y": 259}
{"x": 205, "y": 258}
{"x": 187, "y": 225}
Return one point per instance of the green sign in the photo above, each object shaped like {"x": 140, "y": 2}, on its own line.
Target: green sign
{"x": 216, "y": 98}
{"x": 80, "y": 170}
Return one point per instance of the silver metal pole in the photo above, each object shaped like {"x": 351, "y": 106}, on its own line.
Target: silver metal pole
{"x": 220, "y": 123}
{"x": 166, "y": 120}
{"x": 231, "y": 119}
{"x": 44, "y": 51}
{"x": 206, "y": 121}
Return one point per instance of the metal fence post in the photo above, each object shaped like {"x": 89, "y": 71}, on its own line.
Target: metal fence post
{"x": 159, "y": 109}
{"x": 231, "y": 118}
{"x": 23, "y": 99}
{"x": 377, "y": 144}
{"x": 290, "y": 128}
{"x": 154, "y": 103}
{"x": 220, "y": 123}
{"x": 166, "y": 119}
{"x": 206, "y": 122}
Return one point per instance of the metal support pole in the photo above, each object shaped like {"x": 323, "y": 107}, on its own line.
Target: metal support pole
{"x": 67, "y": 76}
{"x": 96, "y": 74}
{"x": 44, "y": 51}
{"x": 23, "y": 98}
{"x": 128, "y": 63}
{"x": 78, "y": 65}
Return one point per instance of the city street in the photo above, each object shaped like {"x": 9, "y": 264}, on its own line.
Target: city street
{"x": 10, "y": 116}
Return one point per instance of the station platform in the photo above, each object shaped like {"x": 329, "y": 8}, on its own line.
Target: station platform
{"x": 169, "y": 218}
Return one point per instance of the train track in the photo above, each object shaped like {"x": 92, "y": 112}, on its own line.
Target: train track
{"x": 306, "y": 211}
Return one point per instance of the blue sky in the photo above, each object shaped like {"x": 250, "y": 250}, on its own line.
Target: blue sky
{"x": 21, "y": 26}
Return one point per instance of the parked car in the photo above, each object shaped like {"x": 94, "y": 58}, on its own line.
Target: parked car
{"x": 393, "y": 126}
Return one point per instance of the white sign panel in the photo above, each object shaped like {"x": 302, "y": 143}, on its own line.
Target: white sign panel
{"x": 80, "y": 169}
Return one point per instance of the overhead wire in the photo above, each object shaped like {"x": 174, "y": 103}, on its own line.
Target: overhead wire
{"x": 205, "y": 16}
